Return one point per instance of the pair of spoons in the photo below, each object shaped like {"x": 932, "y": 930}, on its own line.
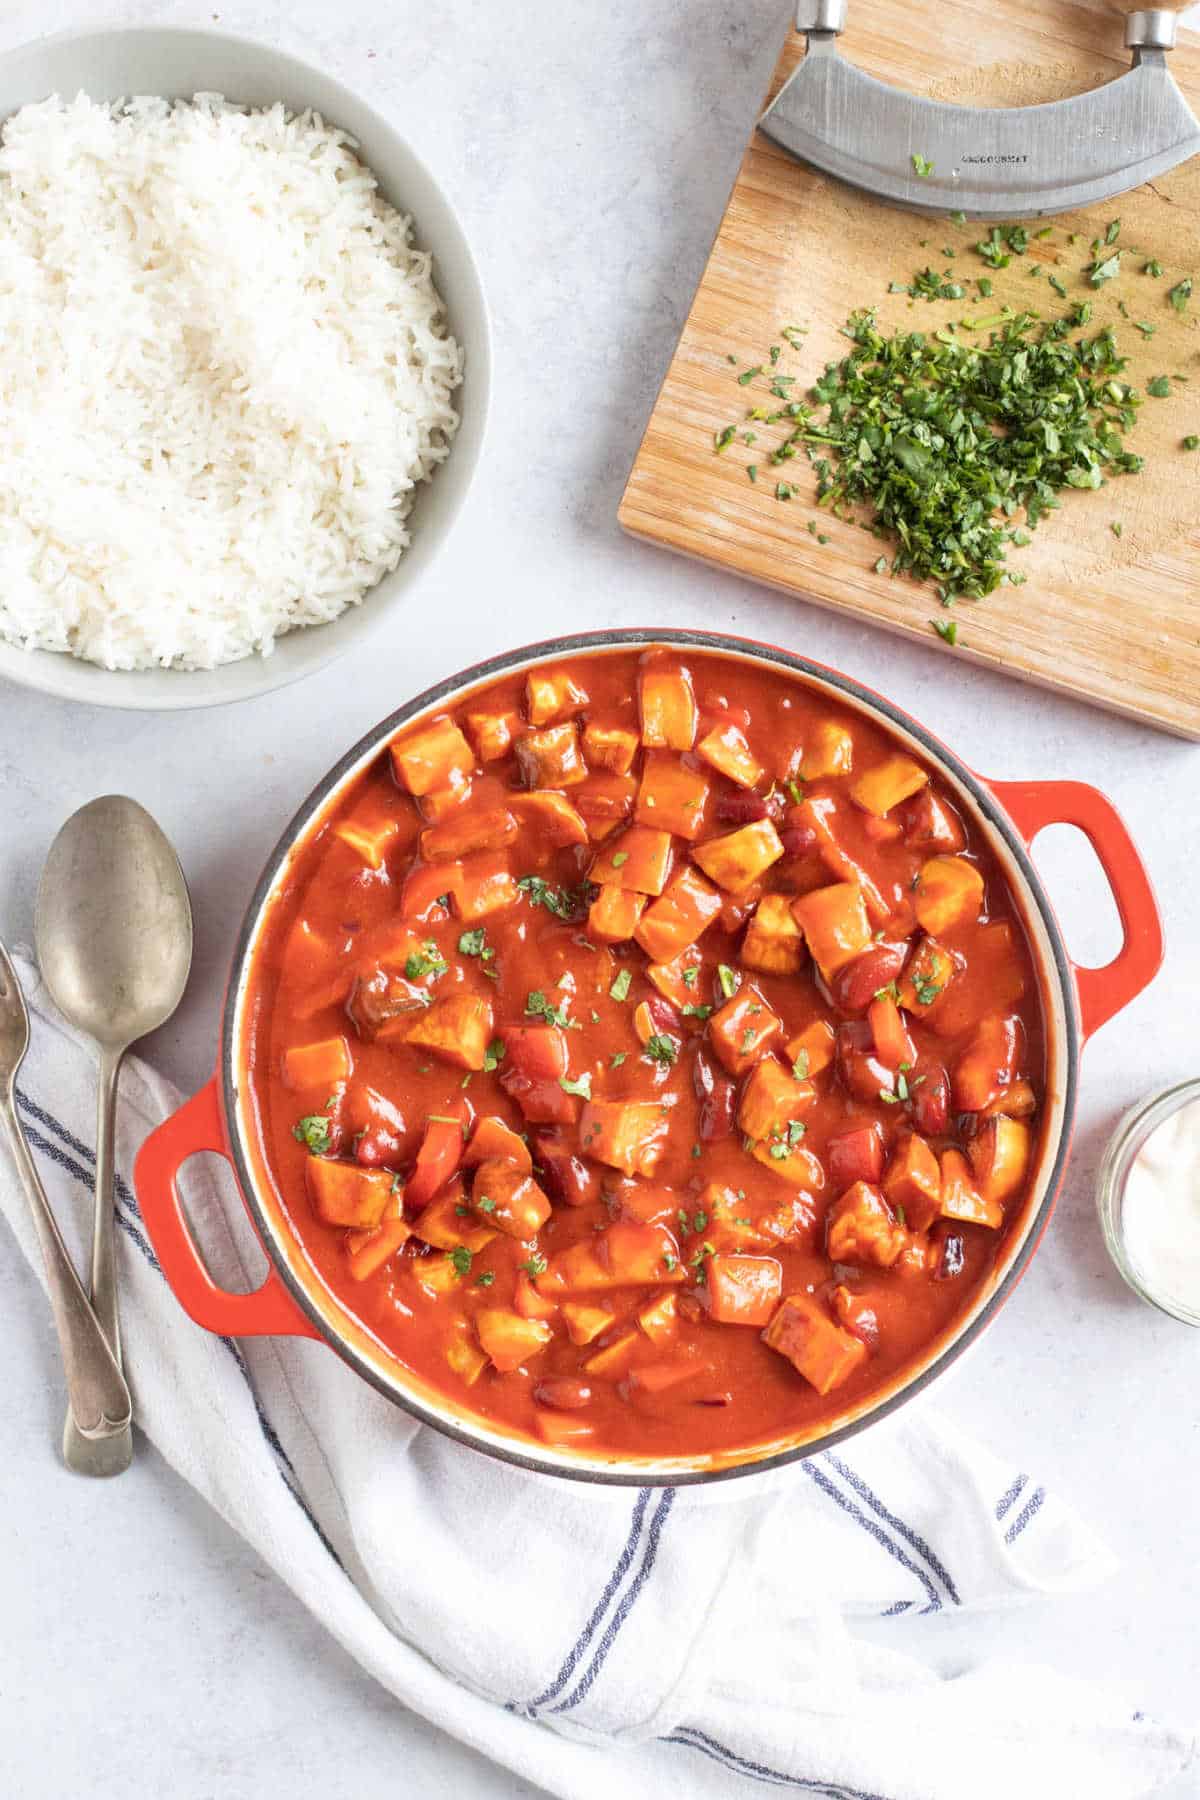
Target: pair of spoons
{"x": 114, "y": 939}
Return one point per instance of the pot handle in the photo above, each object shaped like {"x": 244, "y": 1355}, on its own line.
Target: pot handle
{"x": 1034, "y": 804}
{"x": 197, "y": 1126}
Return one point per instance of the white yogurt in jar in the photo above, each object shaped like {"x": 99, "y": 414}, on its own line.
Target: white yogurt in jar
{"x": 1160, "y": 1213}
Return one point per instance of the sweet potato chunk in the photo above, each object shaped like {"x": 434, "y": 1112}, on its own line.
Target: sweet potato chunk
{"x": 821, "y": 1351}
{"x": 949, "y": 892}
{"x": 440, "y": 802}
{"x": 773, "y": 943}
{"x": 877, "y": 790}
{"x": 659, "y": 1320}
{"x": 927, "y": 974}
{"x": 671, "y": 796}
{"x": 830, "y": 751}
{"x": 668, "y": 707}
{"x": 740, "y": 857}
{"x": 792, "y": 1163}
{"x": 912, "y": 1183}
{"x": 493, "y": 734}
{"x": 893, "y": 1046}
{"x": 677, "y": 980}
{"x": 679, "y": 917}
{"x": 367, "y": 1251}
{"x": 772, "y": 1099}
{"x": 812, "y": 1049}
{"x": 626, "y": 1254}
{"x": 861, "y": 1227}
{"x": 506, "y": 1197}
{"x": 481, "y": 885}
{"x": 466, "y": 1359}
{"x": 742, "y": 1290}
{"x": 551, "y": 758}
{"x": 449, "y": 1224}
{"x": 432, "y": 758}
{"x": 508, "y": 1339}
{"x": 725, "y": 749}
{"x": 611, "y": 747}
{"x": 320, "y": 1065}
{"x": 605, "y": 801}
{"x": 585, "y": 1323}
{"x": 989, "y": 1063}
{"x": 629, "y": 1135}
{"x": 931, "y": 823}
{"x": 471, "y": 828}
{"x": 613, "y": 1360}
{"x": 639, "y": 859}
{"x": 492, "y": 1139}
{"x": 551, "y": 695}
{"x": 960, "y": 1198}
{"x": 370, "y": 842}
{"x": 344, "y": 1193}
{"x": 458, "y": 1029}
{"x": 553, "y": 816}
{"x": 744, "y": 1030}
{"x": 1000, "y": 1157}
{"x": 614, "y": 913}
{"x": 834, "y": 923}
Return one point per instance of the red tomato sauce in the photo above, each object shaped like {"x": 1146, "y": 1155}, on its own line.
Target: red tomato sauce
{"x": 649, "y": 1054}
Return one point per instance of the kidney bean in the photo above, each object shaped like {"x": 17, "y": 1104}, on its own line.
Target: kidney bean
{"x": 855, "y": 1156}
{"x": 952, "y": 1257}
{"x": 563, "y": 1175}
{"x": 859, "y": 1070}
{"x": 562, "y": 1393}
{"x": 856, "y": 985}
{"x": 664, "y": 1015}
{"x": 929, "y": 1086}
{"x": 798, "y": 840}
{"x": 928, "y": 820}
{"x": 740, "y": 808}
{"x": 716, "y": 1094}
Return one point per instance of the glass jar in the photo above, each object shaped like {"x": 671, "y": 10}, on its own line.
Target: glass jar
{"x": 1124, "y": 1146}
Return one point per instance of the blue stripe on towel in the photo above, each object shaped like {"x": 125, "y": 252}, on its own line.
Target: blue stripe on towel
{"x": 853, "y": 1479}
{"x": 287, "y": 1472}
{"x": 1009, "y": 1500}
{"x": 1025, "y": 1516}
{"x": 617, "y": 1622}
{"x": 585, "y": 1637}
{"x": 693, "y": 1739}
{"x": 877, "y": 1532}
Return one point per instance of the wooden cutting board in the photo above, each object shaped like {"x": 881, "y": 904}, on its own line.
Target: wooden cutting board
{"x": 1113, "y": 619}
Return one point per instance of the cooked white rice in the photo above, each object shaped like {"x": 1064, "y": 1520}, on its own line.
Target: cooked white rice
{"x": 223, "y": 370}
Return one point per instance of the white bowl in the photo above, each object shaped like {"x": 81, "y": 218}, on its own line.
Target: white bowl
{"x": 175, "y": 62}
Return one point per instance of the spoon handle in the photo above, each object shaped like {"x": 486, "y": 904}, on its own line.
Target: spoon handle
{"x": 95, "y": 1385}
{"x": 110, "y": 1451}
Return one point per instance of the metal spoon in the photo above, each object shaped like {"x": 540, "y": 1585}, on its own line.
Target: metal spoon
{"x": 98, "y": 1394}
{"x": 114, "y": 939}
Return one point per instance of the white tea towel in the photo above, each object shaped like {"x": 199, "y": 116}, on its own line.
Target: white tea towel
{"x": 681, "y": 1642}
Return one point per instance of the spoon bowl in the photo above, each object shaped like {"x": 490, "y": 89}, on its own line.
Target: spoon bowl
{"x": 114, "y": 938}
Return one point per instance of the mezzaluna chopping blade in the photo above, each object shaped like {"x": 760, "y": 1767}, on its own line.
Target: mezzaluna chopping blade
{"x": 990, "y": 162}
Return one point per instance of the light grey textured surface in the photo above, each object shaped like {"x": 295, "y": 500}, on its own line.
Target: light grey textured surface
{"x": 590, "y": 149}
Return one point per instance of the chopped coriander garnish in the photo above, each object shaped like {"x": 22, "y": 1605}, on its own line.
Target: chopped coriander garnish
{"x": 620, "y": 858}
{"x": 752, "y": 471}
{"x": 615, "y": 1061}
{"x": 784, "y": 490}
{"x": 800, "y": 1066}
{"x": 315, "y": 1133}
{"x": 538, "y": 1007}
{"x": 689, "y": 975}
{"x": 484, "y": 1205}
{"x": 1160, "y": 387}
{"x": 471, "y": 942}
{"x": 1191, "y": 441}
{"x": 494, "y": 1055}
{"x": 723, "y": 438}
{"x": 426, "y": 961}
{"x": 582, "y": 1087}
{"x": 727, "y": 979}
{"x": 922, "y": 166}
{"x": 660, "y": 1049}
{"x": 622, "y": 983}
{"x": 565, "y": 903}
{"x": 1105, "y": 269}
{"x": 486, "y": 1279}
{"x": 1153, "y": 267}
{"x": 697, "y": 1012}
{"x": 947, "y": 630}
{"x": 1116, "y": 528}
{"x": 460, "y": 1258}
{"x": 536, "y": 1266}
{"x": 1057, "y": 285}
{"x": 1180, "y": 294}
